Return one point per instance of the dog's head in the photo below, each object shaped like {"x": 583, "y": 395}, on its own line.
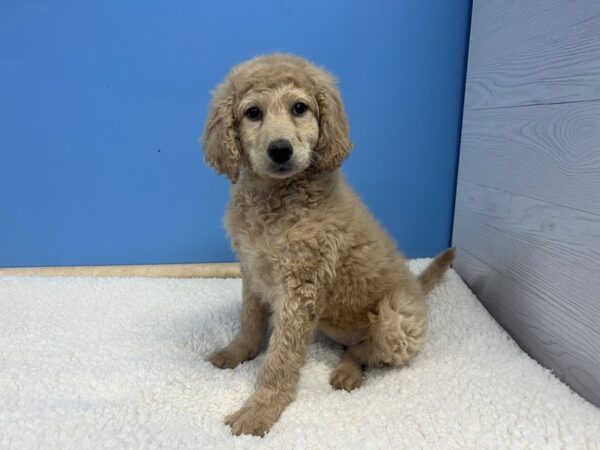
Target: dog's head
{"x": 277, "y": 115}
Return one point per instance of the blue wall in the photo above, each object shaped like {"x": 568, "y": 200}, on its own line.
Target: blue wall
{"x": 101, "y": 105}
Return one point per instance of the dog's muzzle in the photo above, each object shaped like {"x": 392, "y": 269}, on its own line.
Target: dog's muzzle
{"x": 280, "y": 151}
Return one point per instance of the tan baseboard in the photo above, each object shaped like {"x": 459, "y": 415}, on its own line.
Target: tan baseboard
{"x": 216, "y": 270}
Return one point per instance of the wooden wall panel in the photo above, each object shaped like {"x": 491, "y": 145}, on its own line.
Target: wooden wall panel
{"x": 527, "y": 216}
{"x": 533, "y": 52}
{"x": 536, "y": 150}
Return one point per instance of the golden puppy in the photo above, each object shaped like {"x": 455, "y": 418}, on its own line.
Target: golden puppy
{"x": 310, "y": 252}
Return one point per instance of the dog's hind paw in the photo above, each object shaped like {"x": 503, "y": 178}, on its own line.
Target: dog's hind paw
{"x": 226, "y": 359}
{"x": 346, "y": 377}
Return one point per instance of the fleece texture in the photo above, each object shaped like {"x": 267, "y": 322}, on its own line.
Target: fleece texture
{"x": 121, "y": 363}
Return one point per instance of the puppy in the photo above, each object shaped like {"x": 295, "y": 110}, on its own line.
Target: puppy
{"x": 310, "y": 252}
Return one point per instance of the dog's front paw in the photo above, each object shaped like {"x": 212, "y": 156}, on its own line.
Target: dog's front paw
{"x": 250, "y": 420}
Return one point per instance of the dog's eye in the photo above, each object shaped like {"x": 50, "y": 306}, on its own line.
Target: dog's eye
{"x": 253, "y": 113}
{"x": 299, "y": 108}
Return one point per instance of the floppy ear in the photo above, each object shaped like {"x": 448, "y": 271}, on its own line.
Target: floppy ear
{"x": 333, "y": 145}
{"x": 221, "y": 143}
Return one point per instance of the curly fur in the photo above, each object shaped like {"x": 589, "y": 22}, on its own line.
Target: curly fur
{"x": 309, "y": 250}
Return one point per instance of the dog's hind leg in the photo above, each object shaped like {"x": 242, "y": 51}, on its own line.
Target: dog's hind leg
{"x": 397, "y": 330}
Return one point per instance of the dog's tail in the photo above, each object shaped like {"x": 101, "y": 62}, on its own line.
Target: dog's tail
{"x": 435, "y": 270}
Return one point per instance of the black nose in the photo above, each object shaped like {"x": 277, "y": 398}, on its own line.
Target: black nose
{"x": 280, "y": 151}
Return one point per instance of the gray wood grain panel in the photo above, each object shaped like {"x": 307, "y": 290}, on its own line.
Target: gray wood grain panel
{"x": 555, "y": 250}
{"x": 535, "y": 324}
{"x": 527, "y": 218}
{"x": 533, "y": 52}
{"x": 549, "y": 152}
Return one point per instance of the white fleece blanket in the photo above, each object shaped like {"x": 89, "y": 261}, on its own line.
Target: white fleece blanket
{"x": 121, "y": 363}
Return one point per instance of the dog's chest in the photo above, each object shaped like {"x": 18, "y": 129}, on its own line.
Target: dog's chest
{"x": 258, "y": 233}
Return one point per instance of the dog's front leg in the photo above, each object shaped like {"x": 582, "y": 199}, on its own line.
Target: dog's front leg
{"x": 285, "y": 356}
{"x": 246, "y": 345}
